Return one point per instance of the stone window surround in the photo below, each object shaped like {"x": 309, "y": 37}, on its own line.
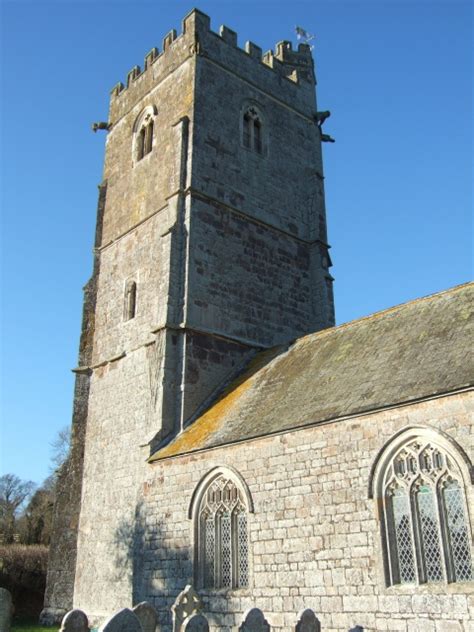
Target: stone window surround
{"x": 144, "y": 121}
{"x": 376, "y": 490}
{"x": 255, "y": 111}
{"x": 130, "y": 298}
{"x": 194, "y": 515}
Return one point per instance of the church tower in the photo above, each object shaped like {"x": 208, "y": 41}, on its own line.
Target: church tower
{"x": 211, "y": 245}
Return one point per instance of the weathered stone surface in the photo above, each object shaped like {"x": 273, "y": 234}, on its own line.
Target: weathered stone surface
{"x": 187, "y": 604}
{"x": 75, "y": 621}
{"x": 147, "y": 616}
{"x": 307, "y": 622}
{"x": 123, "y": 621}
{"x": 254, "y": 621}
{"x": 195, "y": 623}
{"x": 6, "y": 610}
{"x": 227, "y": 247}
{"x": 348, "y": 370}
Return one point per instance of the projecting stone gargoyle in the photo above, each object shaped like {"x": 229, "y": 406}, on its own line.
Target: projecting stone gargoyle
{"x": 100, "y": 125}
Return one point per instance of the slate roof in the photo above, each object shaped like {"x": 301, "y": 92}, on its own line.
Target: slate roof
{"x": 403, "y": 354}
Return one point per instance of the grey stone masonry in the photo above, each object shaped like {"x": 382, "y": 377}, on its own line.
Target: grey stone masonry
{"x": 225, "y": 247}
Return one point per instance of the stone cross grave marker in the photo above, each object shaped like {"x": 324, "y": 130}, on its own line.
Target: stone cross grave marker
{"x": 6, "y": 610}
{"x": 147, "y": 616}
{"x": 308, "y": 622}
{"x": 196, "y": 623}
{"x": 254, "y": 621}
{"x": 75, "y": 621}
{"x": 186, "y": 604}
{"x": 122, "y": 621}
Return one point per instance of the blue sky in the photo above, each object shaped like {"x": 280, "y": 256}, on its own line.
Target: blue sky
{"x": 397, "y": 77}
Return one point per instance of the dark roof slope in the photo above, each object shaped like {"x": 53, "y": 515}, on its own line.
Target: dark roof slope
{"x": 406, "y": 353}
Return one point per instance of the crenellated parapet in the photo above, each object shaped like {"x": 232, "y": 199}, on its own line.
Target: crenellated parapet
{"x": 197, "y": 38}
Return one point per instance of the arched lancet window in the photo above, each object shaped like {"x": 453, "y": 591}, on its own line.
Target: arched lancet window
{"x": 130, "y": 300}
{"x": 221, "y": 524}
{"x": 252, "y": 128}
{"x": 426, "y": 533}
{"x": 143, "y": 133}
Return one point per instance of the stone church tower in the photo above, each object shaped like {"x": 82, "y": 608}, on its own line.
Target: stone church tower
{"x": 211, "y": 245}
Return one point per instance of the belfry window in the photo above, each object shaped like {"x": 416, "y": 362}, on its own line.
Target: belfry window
{"x": 426, "y": 525}
{"x": 130, "y": 300}
{"x": 143, "y": 134}
{"x": 222, "y": 536}
{"x": 252, "y": 130}
{"x": 145, "y": 139}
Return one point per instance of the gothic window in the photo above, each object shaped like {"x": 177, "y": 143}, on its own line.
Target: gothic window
{"x": 130, "y": 301}
{"x": 252, "y": 130}
{"x": 425, "y": 519}
{"x": 144, "y": 133}
{"x": 222, "y": 535}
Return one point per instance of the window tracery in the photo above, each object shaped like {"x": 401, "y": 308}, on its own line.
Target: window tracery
{"x": 144, "y": 133}
{"x": 427, "y": 536}
{"x": 223, "y": 549}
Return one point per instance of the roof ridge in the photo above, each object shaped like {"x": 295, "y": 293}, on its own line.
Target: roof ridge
{"x": 383, "y": 312}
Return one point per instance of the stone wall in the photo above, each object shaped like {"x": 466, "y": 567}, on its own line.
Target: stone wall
{"x": 314, "y": 535}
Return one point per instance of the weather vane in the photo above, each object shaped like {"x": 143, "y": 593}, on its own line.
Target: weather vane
{"x": 304, "y": 36}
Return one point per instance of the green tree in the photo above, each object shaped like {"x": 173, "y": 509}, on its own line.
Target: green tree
{"x": 13, "y": 494}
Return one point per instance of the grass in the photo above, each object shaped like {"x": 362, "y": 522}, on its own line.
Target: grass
{"x": 30, "y": 627}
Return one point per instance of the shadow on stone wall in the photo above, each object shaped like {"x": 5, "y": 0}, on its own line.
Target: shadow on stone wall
{"x": 159, "y": 572}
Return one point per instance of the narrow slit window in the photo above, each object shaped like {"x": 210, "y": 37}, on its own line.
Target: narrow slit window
{"x": 149, "y": 138}
{"x": 130, "y": 306}
{"x": 141, "y": 144}
{"x": 252, "y": 130}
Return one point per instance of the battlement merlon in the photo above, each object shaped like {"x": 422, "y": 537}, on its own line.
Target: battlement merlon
{"x": 197, "y": 38}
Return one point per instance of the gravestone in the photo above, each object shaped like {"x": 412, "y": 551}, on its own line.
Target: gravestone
{"x": 122, "y": 621}
{"x": 254, "y": 621}
{"x": 147, "y": 616}
{"x": 6, "y": 610}
{"x": 186, "y": 604}
{"x": 196, "y": 623}
{"x": 307, "y": 622}
{"x": 75, "y": 621}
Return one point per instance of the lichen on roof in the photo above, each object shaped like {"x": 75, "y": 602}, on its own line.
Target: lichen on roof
{"x": 413, "y": 351}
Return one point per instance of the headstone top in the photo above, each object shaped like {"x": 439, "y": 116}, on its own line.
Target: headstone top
{"x": 75, "y": 621}
{"x": 307, "y": 622}
{"x": 196, "y": 623}
{"x": 147, "y": 616}
{"x": 6, "y": 610}
{"x": 254, "y": 621}
{"x": 122, "y": 621}
{"x": 186, "y": 604}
